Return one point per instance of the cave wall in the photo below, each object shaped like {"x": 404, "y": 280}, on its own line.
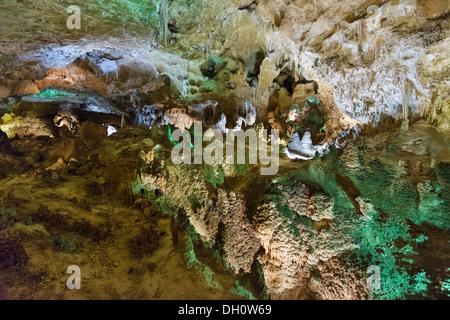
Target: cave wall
{"x": 369, "y": 58}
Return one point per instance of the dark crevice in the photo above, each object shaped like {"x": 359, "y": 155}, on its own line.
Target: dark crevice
{"x": 350, "y": 189}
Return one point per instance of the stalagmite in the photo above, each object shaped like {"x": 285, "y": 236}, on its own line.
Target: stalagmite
{"x": 407, "y": 87}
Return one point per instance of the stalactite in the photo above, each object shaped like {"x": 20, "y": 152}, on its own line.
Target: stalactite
{"x": 358, "y": 29}
{"x": 406, "y": 94}
{"x": 284, "y": 52}
{"x": 164, "y": 18}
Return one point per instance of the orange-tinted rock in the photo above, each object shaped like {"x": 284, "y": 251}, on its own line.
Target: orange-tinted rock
{"x": 4, "y": 92}
{"x": 25, "y": 87}
{"x": 73, "y": 77}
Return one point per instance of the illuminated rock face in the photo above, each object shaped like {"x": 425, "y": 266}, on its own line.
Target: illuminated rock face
{"x": 370, "y": 58}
